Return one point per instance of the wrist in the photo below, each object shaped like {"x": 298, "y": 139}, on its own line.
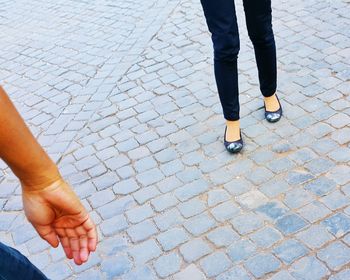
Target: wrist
{"x": 40, "y": 178}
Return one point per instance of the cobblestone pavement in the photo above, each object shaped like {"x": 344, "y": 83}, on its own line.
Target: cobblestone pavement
{"x": 122, "y": 95}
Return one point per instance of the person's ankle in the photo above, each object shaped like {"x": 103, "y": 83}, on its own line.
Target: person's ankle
{"x": 233, "y": 130}
{"x": 271, "y": 103}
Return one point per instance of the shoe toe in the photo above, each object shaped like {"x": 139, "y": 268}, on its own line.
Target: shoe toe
{"x": 234, "y": 147}
{"x": 273, "y": 116}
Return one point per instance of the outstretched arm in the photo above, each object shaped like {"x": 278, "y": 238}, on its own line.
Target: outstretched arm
{"x": 49, "y": 203}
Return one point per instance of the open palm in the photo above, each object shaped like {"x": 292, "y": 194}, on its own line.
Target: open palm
{"x": 59, "y": 217}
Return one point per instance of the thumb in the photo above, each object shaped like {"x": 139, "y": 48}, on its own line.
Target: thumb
{"x": 47, "y": 233}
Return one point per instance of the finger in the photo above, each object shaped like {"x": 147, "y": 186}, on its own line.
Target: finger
{"x": 90, "y": 227}
{"x": 66, "y": 247}
{"x": 74, "y": 245}
{"x": 48, "y": 233}
{"x": 83, "y": 243}
{"x": 76, "y": 257}
{"x": 60, "y": 232}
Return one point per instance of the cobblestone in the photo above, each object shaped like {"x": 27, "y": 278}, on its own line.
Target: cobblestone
{"x": 167, "y": 265}
{"x": 262, "y": 264}
{"x": 134, "y": 121}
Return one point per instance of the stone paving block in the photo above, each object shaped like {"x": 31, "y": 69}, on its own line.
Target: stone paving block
{"x": 194, "y": 250}
{"x": 192, "y": 158}
{"x": 166, "y": 155}
{"x": 252, "y": 199}
{"x": 237, "y": 186}
{"x": 217, "y": 196}
{"x": 341, "y": 135}
{"x": 303, "y": 155}
{"x": 315, "y": 236}
{"x": 237, "y": 272}
{"x": 172, "y": 167}
{"x": 321, "y": 186}
{"x": 290, "y": 250}
{"x": 338, "y": 224}
{"x": 319, "y": 166}
{"x": 92, "y": 274}
{"x": 266, "y": 237}
{"x": 172, "y": 238}
{"x": 143, "y": 273}
{"x": 145, "y": 164}
{"x": 168, "y": 219}
{"x": 189, "y": 175}
{"x": 262, "y": 264}
{"x": 105, "y": 181}
{"x": 274, "y": 188}
{"x": 141, "y": 231}
{"x": 280, "y": 165}
{"x": 144, "y": 252}
{"x": 23, "y": 234}
{"x": 341, "y": 154}
{"x": 335, "y": 255}
{"x": 113, "y": 225}
{"x": 308, "y": 268}
{"x": 6, "y": 220}
{"x": 167, "y": 265}
{"x": 108, "y": 112}
{"x": 296, "y": 178}
{"x": 215, "y": 264}
{"x": 36, "y": 245}
{"x": 247, "y": 223}
{"x": 225, "y": 211}
{"x": 241, "y": 250}
{"x": 116, "y": 266}
{"x": 190, "y": 272}
{"x": 126, "y": 187}
{"x": 145, "y": 194}
{"x": 40, "y": 260}
{"x": 259, "y": 175}
{"x": 199, "y": 224}
{"x": 58, "y": 270}
{"x": 169, "y": 184}
{"x": 164, "y": 202}
{"x": 112, "y": 246}
{"x": 125, "y": 172}
{"x": 138, "y": 214}
{"x": 138, "y": 153}
{"x": 191, "y": 190}
{"x": 297, "y": 198}
{"x": 94, "y": 260}
{"x": 150, "y": 177}
{"x": 345, "y": 274}
{"x": 223, "y": 236}
{"x": 290, "y": 223}
{"x": 314, "y": 211}
{"x": 192, "y": 207}
{"x": 101, "y": 198}
{"x": 340, "y": 174}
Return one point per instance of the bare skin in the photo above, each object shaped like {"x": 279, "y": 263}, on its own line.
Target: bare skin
{"x": 49, "y": 203}
{"x": 271, "y": 103}
{"x": 233, "y": 131}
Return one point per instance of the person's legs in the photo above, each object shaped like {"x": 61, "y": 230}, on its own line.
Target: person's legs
{"x": 14, "y": 266}
{"x": 222, "y": 23}
{"x": 259, "y": 23}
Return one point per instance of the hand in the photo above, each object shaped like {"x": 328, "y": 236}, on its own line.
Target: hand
{"x": 59, "y": 217}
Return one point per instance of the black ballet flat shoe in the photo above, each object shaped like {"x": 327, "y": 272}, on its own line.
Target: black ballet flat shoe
{"x": 235, "y": 146}
{"x": 275, "y": 116}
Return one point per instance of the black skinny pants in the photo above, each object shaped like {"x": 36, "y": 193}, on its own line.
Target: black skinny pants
{"x": 222, "y": 23}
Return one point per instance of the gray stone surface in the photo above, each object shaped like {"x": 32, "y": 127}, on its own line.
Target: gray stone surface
{"x": 122, "y": 95}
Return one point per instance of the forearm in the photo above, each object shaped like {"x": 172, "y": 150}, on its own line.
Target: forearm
{"x": 20, "y": 150}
